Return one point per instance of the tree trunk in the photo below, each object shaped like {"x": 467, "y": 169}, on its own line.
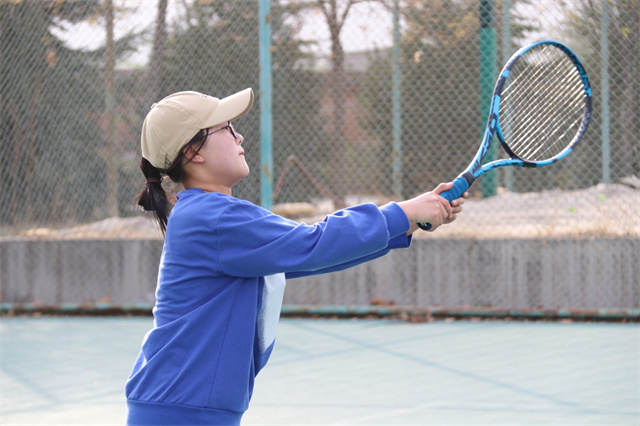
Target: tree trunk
{"x": 339, "y": 123}
{"x": 629, "y": 105}
{"x": 110, "y": 112}
{"x": 156, "y": 64}
{"x": 338, "y": 96}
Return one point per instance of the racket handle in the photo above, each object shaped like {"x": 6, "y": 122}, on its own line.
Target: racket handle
{"x": 460, "y": 186}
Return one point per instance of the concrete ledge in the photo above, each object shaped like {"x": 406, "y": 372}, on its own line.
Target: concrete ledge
{"x": 527, "y": 274}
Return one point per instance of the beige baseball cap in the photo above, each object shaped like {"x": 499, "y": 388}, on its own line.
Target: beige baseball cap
{"x": 176, "y": 119}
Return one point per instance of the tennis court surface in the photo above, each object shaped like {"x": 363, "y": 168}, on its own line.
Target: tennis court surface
{"x": 72, "y": 370}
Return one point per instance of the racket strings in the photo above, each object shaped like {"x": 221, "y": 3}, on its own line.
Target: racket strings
{"x": 524, "y": 74}
{"x": 542, "y": 104}
{"x": 521, "y": 92}
{"x": 561, "y": 133}
{"x": 555, "y": 131}
{"x": 525, "y": 83}
{"x": 535, "y": 124}
{"x": 552, "y": 128}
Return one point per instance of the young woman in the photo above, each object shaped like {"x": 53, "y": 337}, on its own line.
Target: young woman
{"x": 222, "y": 272}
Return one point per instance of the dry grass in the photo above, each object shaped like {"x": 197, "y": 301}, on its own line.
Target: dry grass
{"x": 603, "y": 210}
{"x": 600, "y": 211}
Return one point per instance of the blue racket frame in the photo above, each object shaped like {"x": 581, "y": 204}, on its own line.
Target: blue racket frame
{"x": 476, "y": 169}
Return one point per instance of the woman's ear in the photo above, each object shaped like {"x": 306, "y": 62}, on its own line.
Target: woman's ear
{"x": 192, "y": 154}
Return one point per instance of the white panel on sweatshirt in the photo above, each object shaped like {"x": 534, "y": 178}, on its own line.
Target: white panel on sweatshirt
{"x": 269, "y": 314}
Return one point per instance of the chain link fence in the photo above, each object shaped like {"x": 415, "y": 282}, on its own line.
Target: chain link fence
{"x": 372, "y": 101}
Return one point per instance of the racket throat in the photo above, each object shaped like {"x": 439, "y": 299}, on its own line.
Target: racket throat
{"x": 470, "y": 178}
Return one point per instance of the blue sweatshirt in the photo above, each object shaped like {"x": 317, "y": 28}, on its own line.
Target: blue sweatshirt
{"x": 220, "y": 286}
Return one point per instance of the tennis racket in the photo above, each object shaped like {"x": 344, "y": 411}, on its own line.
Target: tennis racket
{"x": 540, "y": 110}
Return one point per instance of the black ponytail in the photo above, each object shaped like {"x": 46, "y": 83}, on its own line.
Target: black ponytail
{"x": 153, "y": 197}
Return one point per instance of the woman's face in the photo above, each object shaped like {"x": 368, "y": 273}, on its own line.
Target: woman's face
{"x": 223, "y": 163}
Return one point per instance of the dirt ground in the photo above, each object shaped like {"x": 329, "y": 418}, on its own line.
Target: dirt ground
{"x": 602, "y": 210}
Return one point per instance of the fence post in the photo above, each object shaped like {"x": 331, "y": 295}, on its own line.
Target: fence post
{"x": 506, "y": 54}
{"x": 266, "y": 117}
{"x": 488, "y": 71}
{"x": 604, "y": 88}
{"x": 397, "y": 105}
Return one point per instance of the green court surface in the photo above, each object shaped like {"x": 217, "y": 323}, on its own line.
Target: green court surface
{"x": 69, "y": 371}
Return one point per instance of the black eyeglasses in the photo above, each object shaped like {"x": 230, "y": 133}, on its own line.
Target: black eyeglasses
{"x": 228, "y": 126}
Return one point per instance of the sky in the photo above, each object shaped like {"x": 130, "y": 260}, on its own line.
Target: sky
{"x": 368, "y": 26}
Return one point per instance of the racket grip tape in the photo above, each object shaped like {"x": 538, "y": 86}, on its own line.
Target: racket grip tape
{"x": 460, "y": 186}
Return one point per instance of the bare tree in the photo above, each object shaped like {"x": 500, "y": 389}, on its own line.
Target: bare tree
{"x": 111, "y": 113}
{"x": 336, "y": 15}
{"x": 625, "y": 28}
{"x": 156, "y": 64}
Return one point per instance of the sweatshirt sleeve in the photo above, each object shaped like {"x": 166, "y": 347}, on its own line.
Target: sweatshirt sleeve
{"x": 401, "y": 241}
{"x": 254, "y": 242}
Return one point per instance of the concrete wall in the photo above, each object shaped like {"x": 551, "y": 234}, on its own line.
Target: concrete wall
{"x": 78, "y": 271}
{"x": 525, "y": 274}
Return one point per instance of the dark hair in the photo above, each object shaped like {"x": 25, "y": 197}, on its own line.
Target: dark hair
{"x": 153, "y": 197}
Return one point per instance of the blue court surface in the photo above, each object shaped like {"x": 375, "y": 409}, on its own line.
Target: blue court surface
{"x": 71, "y": 371}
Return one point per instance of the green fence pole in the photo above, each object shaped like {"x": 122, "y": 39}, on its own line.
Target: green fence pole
{"x": 488, "y": 74}
{"x": 506, "y": 54}
{"x": 604, "y": 88}
{"x": 397, "y": 107}
{"x": 266, "y": 117}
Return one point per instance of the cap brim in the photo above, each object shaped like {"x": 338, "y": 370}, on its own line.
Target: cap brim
{"x": 230, "y": 108}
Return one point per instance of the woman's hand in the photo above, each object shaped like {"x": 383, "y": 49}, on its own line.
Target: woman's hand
{"x": 432, "y": 208}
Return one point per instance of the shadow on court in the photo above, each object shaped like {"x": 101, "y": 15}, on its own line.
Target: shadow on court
{"x": 72, "y": 371}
